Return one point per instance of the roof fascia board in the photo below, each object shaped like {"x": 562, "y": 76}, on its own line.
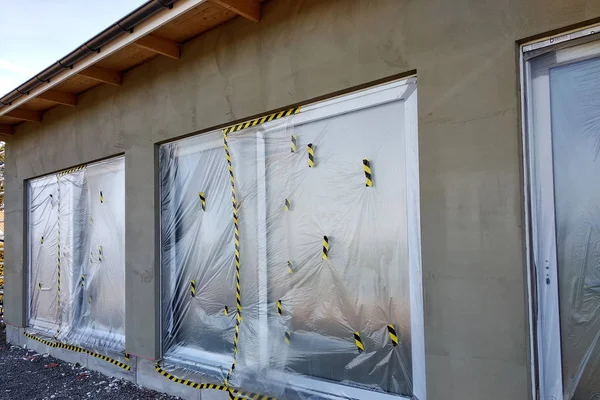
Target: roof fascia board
{"x": 154, "y": 22}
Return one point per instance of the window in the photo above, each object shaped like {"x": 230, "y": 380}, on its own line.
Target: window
{"x": 562, "y": 145}
{"x": 77, "y": 255}
{"x": 327, "y": 212}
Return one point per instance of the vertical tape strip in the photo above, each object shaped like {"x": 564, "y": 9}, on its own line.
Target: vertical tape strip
{"x": 58, "y": 257}
{"x": 367, "y": 169}
{"x": 238, "y": 289}
{"x": 311, "y": 155}
{"x": 287, "y": 205}
{"x": 325, "y": 252}
{"x": 393, "y": 336}
{"x": 293, "y": 144}
{"x": 101, "y": 197}
{"x": 279, "y": 308}
{"x": 288, "y": 337}
{"x": 226, "y": 310}
{"x": 203, "y": 200}
{"x": 193, "y": 288}
{"x": 359, "y": 343}
{"x": 290, "y": 265}
{"x": 99, "y": 253}
{"x": 82, "y": 280}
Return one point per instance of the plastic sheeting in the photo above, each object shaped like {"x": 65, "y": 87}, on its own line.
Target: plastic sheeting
{"x": 77, "y": 255}
{"x": 324, "y": 257}
{"x": 565, "y": 117}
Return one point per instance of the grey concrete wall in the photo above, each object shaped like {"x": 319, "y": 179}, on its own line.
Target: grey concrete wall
{"x": 465, "y": 55}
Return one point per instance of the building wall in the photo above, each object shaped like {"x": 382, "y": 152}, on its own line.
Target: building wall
{"x": 466, "y": 58}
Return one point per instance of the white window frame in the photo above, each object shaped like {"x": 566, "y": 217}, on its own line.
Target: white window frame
{"x": 398, "y": 91}
{"x": 540, "y": 228}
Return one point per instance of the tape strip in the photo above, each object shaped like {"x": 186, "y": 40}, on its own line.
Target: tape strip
{"x": 290, "y": 267}
{"x": 58, "y": 277}
{"x": 238, "y": 289}
{"x": 293, "y": 144}
{"x": 287, "y": 205}
{"x": 77, "y": 349}
{"x": 359, "y": 343}
{"x": 393, "y": 335}
{"x": 233, "y": 393}
{"x": 202, "y": 200}
{"x": 193, "y": 288}
{"x": 261, "y": 120}
{"x": 226, "y": 310}
{"x": 325, "y": 251}
{"x": 279, "y": 308}
{"x": 311, "y": 155}
{"x": 101, "y": 197}
{"x": 82, "y": 280}
{"x": 71, "y": 170}
{"x": 367, "y": 169}
{"x": 99, "y": 253}
{"x": 288, "y": 337}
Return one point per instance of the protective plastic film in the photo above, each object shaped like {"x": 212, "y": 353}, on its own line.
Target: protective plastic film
{"x": 321, "y": 205}
{"x": 565, "y": 117}
{"x": 77, "y": 255}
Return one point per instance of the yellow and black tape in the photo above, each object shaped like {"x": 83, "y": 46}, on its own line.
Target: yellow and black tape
{"x": 359, "y": 343}
{"x": 99, "y": 253}
{"x": 238, "y": 289}
{"x": 58, "y": 266}
{"x": 393, "y": 335}
{"x": 288, "y": 337}
{"x": 101, "y": 197}
{"x": 290, "y": 266}
{"x": 127, "y": 356}
{"x": 202, "y": 200}
{"x": 368, "y": 176}
{"x": 39, "y": 285}
{"x": 325, "y": 251}
{"x": 293, "y": 144}
{"x": 82, "y": 280}
{"x": 193, "y": 288}
{"x": 233, "y": 393}
{"x": 78, "y": 349}
{"x": 90, "y": 299}
{"x": 287, "y": 205}
{"x": 226, "y": 310}
{"x": 311, "y": 155}
{"x": 261, "y": 120}
{"x": 279, "y": 308}
{"x": 42, "y": 241}
{"x": 71, "y": 170}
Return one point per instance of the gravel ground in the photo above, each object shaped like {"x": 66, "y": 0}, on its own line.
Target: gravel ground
{"x": 25, "y": 374}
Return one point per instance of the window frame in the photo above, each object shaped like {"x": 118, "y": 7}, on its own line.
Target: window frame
{"x": 397, "y": 91}
{"x": 538, "y": 188}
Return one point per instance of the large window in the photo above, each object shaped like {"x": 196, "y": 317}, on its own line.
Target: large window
{"x": 77, "y": 255}
{"x": 327, "y": 215}
{"x": 562, "y": 147}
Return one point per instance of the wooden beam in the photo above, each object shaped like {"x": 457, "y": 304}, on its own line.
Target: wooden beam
{"x": 64, "y": 98}
{"x": 249, "y": 9}
{"x": 165, "y": 47}
{"x": 105, "y": 75}
{"x": 25, "y": 115}
{"x": 6, "y": 129}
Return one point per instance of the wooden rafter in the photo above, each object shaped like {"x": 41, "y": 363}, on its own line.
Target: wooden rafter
{"x": 25, "y": 115}
{"x": 64, "y": 98}
{"x": 105, "y": 75}
{"x": 165, "y": 47}
{"x": 249, "y": 9}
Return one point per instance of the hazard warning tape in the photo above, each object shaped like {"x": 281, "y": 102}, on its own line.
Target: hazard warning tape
{"x": 359, "y": 343}
{"x": 279, "y": 308}
{"x": 202, "y": 200}
{"x": 233, "y": 393}
{"x": 325, "y": 251}
{"x": 367, "y": 169}
{"x": 101, "y": 197}
{"x": 393, "y": 335}
{"x": 293, "y": 144}
{"x": 71, "y": 170}
{"x": 311, "y": 155}
{"x": 238, "y": 289}
{"x": 78, "y": 349}
{"x": 262, "y": 120}
{"x": 290, "y": 266}
{"x": 287, "y": 205}
{"x": 193, "y": 288}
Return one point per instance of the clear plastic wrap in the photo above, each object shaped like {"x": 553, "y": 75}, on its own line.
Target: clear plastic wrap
{"x": 329, "y": 257}
{"x": 564, "y": 102}
{"x": 77, "y": 255}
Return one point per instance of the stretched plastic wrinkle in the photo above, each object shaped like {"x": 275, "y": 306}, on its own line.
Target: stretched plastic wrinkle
{"x": 77, "y": 256}
{"x": 324, "y": 257}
